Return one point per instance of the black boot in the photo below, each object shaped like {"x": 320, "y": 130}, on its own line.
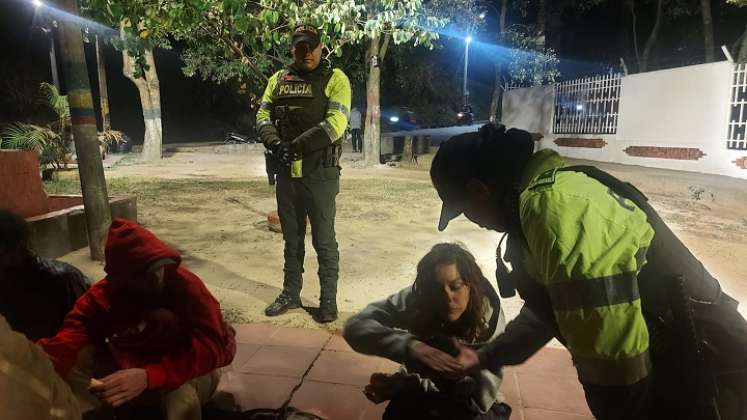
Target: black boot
{"x": 327, "y": 311}
{"x": 282, "y": 304}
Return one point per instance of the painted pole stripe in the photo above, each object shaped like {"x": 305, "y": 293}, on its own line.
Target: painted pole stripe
{"x": 83, "y": 116}
{"x": 84, "y": 120}
{"x": 80, "y": 99}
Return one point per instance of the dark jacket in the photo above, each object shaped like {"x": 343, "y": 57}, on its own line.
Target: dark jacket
{"x": 35, "y": 299}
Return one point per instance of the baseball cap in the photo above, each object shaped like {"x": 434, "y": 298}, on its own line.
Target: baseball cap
{"x": 306, "y": 33}
{"x": 490, "y": 152}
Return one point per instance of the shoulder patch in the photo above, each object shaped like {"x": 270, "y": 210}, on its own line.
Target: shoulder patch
{"x": 544, "y": 179}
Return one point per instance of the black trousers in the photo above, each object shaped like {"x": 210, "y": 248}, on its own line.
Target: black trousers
{"x": 421, "y": 406}
{"x": 357, "y": 138}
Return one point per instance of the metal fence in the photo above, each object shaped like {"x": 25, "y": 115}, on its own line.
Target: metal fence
{"x": 587, "y": 106}
{"x": 736, "y": 136}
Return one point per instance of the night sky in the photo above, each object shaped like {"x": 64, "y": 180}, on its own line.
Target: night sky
{"x": 588, "y": 43}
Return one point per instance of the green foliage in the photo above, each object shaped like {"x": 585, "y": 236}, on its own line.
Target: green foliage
{"x": 740, "y": 3}
{"x": 48, "y": 141}
{"x": 526, "y": 63}
{"x": 247, "y": 41}
{"x": 142, "y": 19}
{"x": 50, "y": 97}
{"x": 48, "y": 144}
{"x": 110, "y": 137}
{"x": 25, "y": 136}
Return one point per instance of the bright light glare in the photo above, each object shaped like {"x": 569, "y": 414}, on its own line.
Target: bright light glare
{"x": 394, "y": 119}
{"x": 37, "y": 3}
{"x": 482, "y": 15}
{"x": 579, "y": 107}
{"x": 468, "y": 39}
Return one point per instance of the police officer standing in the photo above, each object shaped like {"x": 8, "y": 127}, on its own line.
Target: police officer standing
{"x": 302, "y": 118}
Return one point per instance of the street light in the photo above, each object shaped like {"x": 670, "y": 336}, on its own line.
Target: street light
{"x": 481, "y": 15}
{"x": 467, "y": 41}
{"x": 37, "y": 3}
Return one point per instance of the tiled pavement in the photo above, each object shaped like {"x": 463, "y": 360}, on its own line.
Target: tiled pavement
{"x": 320, "y": 374}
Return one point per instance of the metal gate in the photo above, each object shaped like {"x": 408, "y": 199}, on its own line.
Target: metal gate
{"x": 736, "y": 136}
{"x": 587, "y": 106}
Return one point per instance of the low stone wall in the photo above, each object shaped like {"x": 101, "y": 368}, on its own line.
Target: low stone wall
{"x": 62, "y": 231}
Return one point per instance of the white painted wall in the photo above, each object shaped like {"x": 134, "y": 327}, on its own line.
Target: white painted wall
{"x": 682, "y": 107}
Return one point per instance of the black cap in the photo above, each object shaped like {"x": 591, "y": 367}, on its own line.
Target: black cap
{"x": 308, "y": 34}
{"x": 492, "y": 152}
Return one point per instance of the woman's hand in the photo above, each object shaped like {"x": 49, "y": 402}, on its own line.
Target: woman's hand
{"x": 468, "y": 358}
{"x": 436, "y": 360}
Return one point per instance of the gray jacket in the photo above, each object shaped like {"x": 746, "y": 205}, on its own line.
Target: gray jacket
{"x": 382, "y": 329}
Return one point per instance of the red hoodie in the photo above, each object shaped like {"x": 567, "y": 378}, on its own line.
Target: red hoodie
{"x": 101, "y": 313}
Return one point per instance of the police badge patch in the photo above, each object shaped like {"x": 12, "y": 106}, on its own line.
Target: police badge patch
{"x": 294, "y": 90}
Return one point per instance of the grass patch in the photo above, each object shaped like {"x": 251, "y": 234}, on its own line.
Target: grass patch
{"x": 159, "y": 188}
{"x": 184, "y": 194}
{"x": 129, "y": 159}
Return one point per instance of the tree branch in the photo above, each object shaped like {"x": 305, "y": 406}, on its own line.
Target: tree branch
{"x": 384, "y": 47}
{"x": 244, "y": 58}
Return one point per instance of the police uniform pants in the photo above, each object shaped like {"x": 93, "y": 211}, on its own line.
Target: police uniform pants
{"x": 313, "y": 196}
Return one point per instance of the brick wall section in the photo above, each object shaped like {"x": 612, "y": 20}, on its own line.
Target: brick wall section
{"x": 20, "y": 183}
{"x": 741, "y": 162}
{"x": 679, "y": 153}
{"x": 575, "y": 142}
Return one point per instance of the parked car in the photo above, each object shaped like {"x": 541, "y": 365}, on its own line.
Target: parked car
{"x": 465, "y": 116}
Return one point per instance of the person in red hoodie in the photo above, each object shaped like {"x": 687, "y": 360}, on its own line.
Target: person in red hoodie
{"x": 154, "y": 321}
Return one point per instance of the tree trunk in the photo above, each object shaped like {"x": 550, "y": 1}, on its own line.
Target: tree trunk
{"x": 742, "y": 56}
{"x": 372, "y": 134}
{"x": 83, "y": 118}
{"x": 554, "y": 24}
{"x": 633, "y": 25}
{"x": 710, "y": 48}
{"x": 407, "y": 151}
{"x": 496, "y": 103}
{"x": 149, "y": 89}
{"x": 502, "y": 19}
{"x": 103, "y": 90}
{"x": 542, "y": 25}
{"x": 653, "y": 37}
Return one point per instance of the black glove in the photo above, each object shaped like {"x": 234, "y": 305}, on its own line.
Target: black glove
{"x": 281, "y": 150}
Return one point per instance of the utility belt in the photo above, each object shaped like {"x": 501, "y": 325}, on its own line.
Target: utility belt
{"x": 331, "y": 155}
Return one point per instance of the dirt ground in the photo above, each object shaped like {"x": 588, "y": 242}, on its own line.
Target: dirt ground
{"x": 211, "y": 203}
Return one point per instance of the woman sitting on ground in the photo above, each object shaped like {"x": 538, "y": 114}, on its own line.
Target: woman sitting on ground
{"x": 450, "y": 304}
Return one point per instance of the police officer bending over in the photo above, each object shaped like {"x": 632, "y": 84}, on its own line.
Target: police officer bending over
{"x": 304, "y": 113}
{"x": 651, "y": 333}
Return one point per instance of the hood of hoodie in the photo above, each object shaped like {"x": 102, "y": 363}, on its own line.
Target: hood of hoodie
{"x": 131, "y": 249}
